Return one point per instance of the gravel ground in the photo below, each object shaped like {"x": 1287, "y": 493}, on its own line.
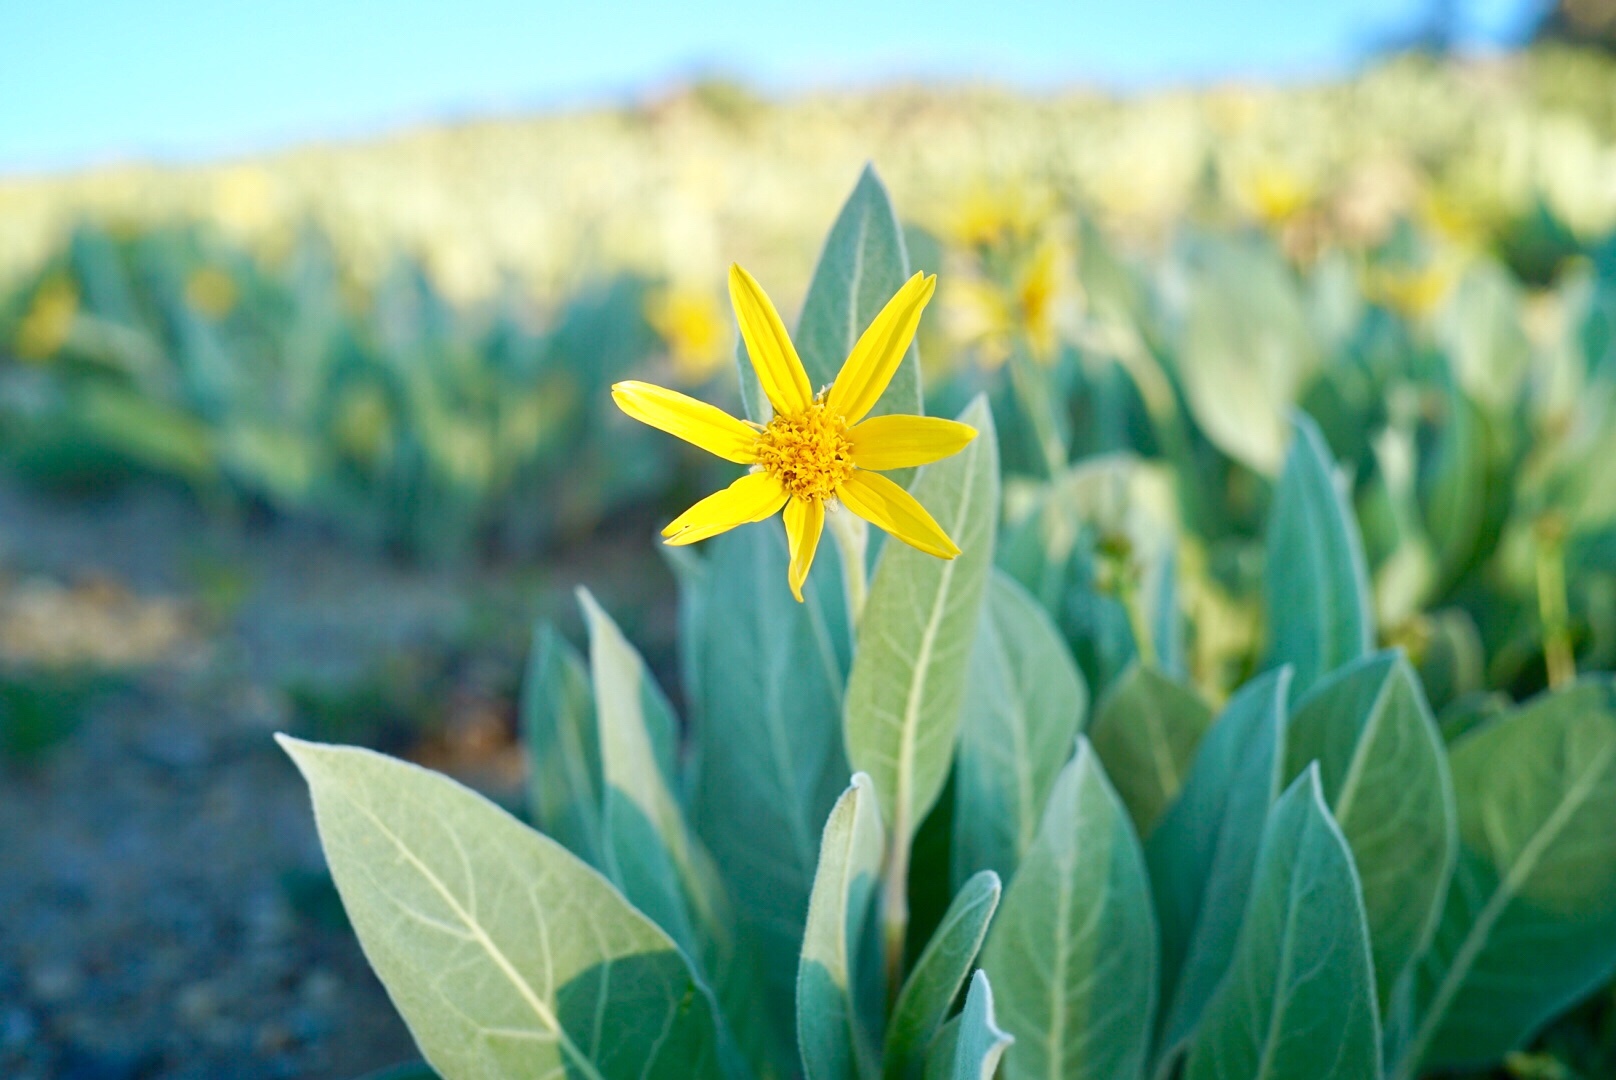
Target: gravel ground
{"x": 163, "y": 905}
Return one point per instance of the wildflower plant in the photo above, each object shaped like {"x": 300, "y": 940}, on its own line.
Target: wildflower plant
{"x": 892, "y": 838}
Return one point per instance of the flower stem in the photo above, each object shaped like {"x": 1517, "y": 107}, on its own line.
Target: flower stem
{"x": 1552, "y": 606}
{"x": 852, "y": 540}
{"x": 895, "y": 913}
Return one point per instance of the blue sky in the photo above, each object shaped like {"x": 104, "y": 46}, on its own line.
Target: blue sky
{"x": 85, "y": 82}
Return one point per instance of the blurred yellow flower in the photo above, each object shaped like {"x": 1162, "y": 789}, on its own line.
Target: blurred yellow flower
{"x": 992, "y": 214}
{"x": 818, "y": 452}
{"x": 1276, "y": 194}
{"x": 211, "y": 292}
{"x": 693, "y": 327}
{"x": 1413, "y": 292}
{"x": 44, "y": 329}
{"x": 990, "y": 315}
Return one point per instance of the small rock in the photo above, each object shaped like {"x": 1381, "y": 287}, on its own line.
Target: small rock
{"x": 54, "y": 982}
{"x": 272, "y": 1038}
{"x": 174, "y": 747}
{"x": 197, "y": 1003}
{"x": 17, "y": 1027}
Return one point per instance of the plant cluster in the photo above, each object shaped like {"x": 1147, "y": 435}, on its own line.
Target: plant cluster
{"x": 1058, "y": 806}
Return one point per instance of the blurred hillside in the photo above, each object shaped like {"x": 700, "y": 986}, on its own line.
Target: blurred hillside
{"x": 680, "y": 186}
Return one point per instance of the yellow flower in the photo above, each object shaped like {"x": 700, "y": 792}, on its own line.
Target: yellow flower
{"x": 692, "y": 324}
{"x": 818, "y": 449}
{"x": 49, "y": 321}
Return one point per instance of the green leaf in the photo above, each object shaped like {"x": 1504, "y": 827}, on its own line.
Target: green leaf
{"x": 506, "y": 954}
{"x": 771, "y": 672}
{"x": 1247, "y": 350}
{"x": 650, "y": 854}
{"x": 1073, "y": 951}
{"x": 1204, "y": 849}
{"x": 1316, "y": 587}
{"x": 1530, "y": 921}
{"x": 1024, "y": 704}
{"x": 863, "y": 264}
{"x": 1299, "y": 999}
{"x": 971, "y": 1045}
{"x": 907, "y": 685}
{"x": 832, "y": 1032}
{"x": 563, "y": 747}
{"x": 1385, "y": 777}
{"x": 929, "y": 991}
{"x": 1146, "y": 730}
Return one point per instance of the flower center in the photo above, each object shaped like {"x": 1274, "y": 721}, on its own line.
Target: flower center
{"x": 809, "y": 453}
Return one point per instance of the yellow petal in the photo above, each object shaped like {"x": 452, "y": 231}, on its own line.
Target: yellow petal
{"x": 900, "y": 442}
{"x": 773, "y": 356}
{"x": 751, "y": 498}
{"x": 881, "y": 502}
{"x": 874, "y": 360}
{"x": 707, "y": 426}
{"x": 805, "y": 519}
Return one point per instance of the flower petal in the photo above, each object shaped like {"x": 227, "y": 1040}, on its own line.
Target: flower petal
{"x": 805, "y": 520}
{"x": 707, "y": 426}
{"x": 751, "y": 498}
{"x": 881, "y": 502}
{"x": 879, "y": 351}
{"x": 900, "y": 442}
{"x": 768, "y": 345}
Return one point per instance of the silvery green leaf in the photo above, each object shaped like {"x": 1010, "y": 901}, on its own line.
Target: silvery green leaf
{"x": 862, "y": 266}
{"x": 1530, "y": 921}
{"x": 1299, "y": 999}
{"x": 650, "y": 853}
{"x": 1204, "y": 849}
{"x": 772, "y": 673}
{"x": 907, "y": 685}
{"x": 1024, "y": 705}
{"x": 1073, "y": 950}
{"x": 1385, "y": 777}
{"x": 1146, "y": 730}
{"x": 506, "y": 954}
{"x": 832, "y": 1030}
{"x": 1052, "y": 543}
{"x": 970, "y": 1046}
{"x": 929, "y": 991}
{"x": 1247, "y": 349}
{"x": 1316, "y": 590}
{"x": 563, "y": 748}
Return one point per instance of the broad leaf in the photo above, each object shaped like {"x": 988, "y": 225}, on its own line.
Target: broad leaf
{"x": 1299, "y": 999}
{"x": 563, "y": 750}
{"x": 1385, "y": 777}
{"x": 1073, "y": 951}
{"x": 832, "y": 1033}
{"x": 1247, "y": 349}
{"x": 1315, "y": 582}
{"x": 1024, "y": 704}
{"x": 862, "y": 266}
{"x": 1530, "y": 921}
{"x": 1203, "y": 852}
{"x": 907, "y": 685}
{"x": 506, "y": 954}
{"x": 929, "y": 991}
{"x": 972, "y": 1044}
{"x": 1146, "y": 730}
{"x": 650, "y": 853}
{"x": 772, "y": 672}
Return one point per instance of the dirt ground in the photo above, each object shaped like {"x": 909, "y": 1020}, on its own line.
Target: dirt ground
{"x": 164, "y": 910}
